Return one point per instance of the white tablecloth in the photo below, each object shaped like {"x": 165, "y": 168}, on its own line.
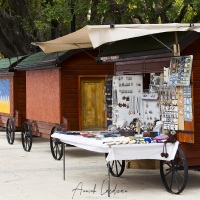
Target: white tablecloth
{"x": 90, "y": 144}
{"x": 122, "y": 151}
{"x": 141, "y": 151}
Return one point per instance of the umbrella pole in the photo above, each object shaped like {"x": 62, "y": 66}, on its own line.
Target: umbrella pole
{"x": 176, "y": 46}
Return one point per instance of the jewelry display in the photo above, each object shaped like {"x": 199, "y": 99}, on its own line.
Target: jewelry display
{"x": 168, "y": 99}
{"x": 128, "y": 91}
{"x": 151, "y": 108}
{"x": 108, "y": 99}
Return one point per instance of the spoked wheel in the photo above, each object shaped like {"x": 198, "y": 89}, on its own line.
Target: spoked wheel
{"x": 10, "y": 130}
{"x": 116, "y": 167}
{"x": 56, "y": 145}
{"x": 174, "y": 173}
{"x": 26, "y": 135}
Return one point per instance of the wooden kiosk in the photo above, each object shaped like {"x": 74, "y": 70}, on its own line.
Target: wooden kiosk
{"x": 13, "y": 96}
{"x": 64, "y": 90}
{"x": 149, "y": 58}
{"x": 190, "y": 138}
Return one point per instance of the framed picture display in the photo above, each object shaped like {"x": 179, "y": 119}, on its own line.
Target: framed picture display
{"x": 180, "y": 70}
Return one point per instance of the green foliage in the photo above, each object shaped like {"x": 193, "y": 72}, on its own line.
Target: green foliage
{"x": 42, "y": 13}
{"x": 40, "y": 17}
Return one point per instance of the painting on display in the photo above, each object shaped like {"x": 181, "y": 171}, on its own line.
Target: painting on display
{"x": 5, "y": 96}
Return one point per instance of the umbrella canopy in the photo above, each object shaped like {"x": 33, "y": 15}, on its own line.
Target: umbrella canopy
{"x": 96, "y": 35}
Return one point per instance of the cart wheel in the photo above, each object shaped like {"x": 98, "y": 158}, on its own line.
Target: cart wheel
{"x": 56, "y": 145}
{"x": 10, "y": 130}
{"x": 116, "y": 167}
{"x": 174, "y": 173}
{"x": 26, "y": 136}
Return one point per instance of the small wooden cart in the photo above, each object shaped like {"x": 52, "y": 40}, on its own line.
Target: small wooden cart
{"x": 57, "y": 87}
{"x": 13, "y": 96}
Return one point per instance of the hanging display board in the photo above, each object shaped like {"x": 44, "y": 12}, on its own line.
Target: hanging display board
{"x": 176, "y": 99}
{"x": 187, "y": 104}
{"x": 127, "y": 99}
{"x": 180, "y": 70}
{"x": 151, "y": 108}
{"x": 108, "y": 99}
{"x": 169, "y": 107}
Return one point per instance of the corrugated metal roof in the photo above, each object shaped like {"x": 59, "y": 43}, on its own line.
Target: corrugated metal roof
{"x": 7, "y": 64}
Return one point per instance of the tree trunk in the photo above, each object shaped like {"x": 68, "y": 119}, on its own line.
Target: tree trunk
{"x": 13, "y": 39}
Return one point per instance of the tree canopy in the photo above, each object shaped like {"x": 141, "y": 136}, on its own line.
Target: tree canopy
{"x": 26, "y": 21}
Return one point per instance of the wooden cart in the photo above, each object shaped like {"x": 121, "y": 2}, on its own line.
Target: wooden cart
{"x": 190, "y": 136}
{"x": 61, "y": 89}
{"x": 173, "y": 171}
{"x": 153, "y": 61}
{"x": 141, "y": 59}
{"x": 13, "y": 96}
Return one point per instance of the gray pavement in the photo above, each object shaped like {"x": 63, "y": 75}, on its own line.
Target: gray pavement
{"x": 36, "y": 175}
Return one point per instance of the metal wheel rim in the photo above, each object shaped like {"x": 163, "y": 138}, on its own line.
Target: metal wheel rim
{"x": 174, "y": 173}
{"x": 56, "y": 145}
{"x": 116, "y": 167}
{"x": 10, "y": 131}
{"x": 26, "y": 135}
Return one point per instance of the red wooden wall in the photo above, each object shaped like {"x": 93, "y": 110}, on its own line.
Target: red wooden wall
{"x": 192, "y": 151}
{"x": 20, "y": 97}
{"x": 43, "y": 95}
{"x": 79, "y": 64}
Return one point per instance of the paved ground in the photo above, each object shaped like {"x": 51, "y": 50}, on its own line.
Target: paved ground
{"x": 36, "y": 175}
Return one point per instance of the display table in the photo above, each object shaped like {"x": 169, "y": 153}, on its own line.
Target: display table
{"x": 122, "y": 151}
{"x": 118, "y": 152}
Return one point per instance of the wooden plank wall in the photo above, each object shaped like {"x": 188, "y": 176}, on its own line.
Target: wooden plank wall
{"x": 79, "y": 64}
{"x": 20, "y": 97}
{"x": 192, "y": 151}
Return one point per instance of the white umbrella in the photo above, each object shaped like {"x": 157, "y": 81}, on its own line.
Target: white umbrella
{"x": 96, "y": 35}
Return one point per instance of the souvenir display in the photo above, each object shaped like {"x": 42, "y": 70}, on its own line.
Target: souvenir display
{"x": 108, "y": 99}
{"x": 166, "y": 75}
{"x": 175, "y": 95}
{"x": 187, "y": 104}
{"x": 180, "y": 70}
{"x": 154, "y": 82}
{"x": 127, "y": 99}
{"x": 169, "y": 107}
{"x": 151, "y": 108}
{"x": 168, "y": 99}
